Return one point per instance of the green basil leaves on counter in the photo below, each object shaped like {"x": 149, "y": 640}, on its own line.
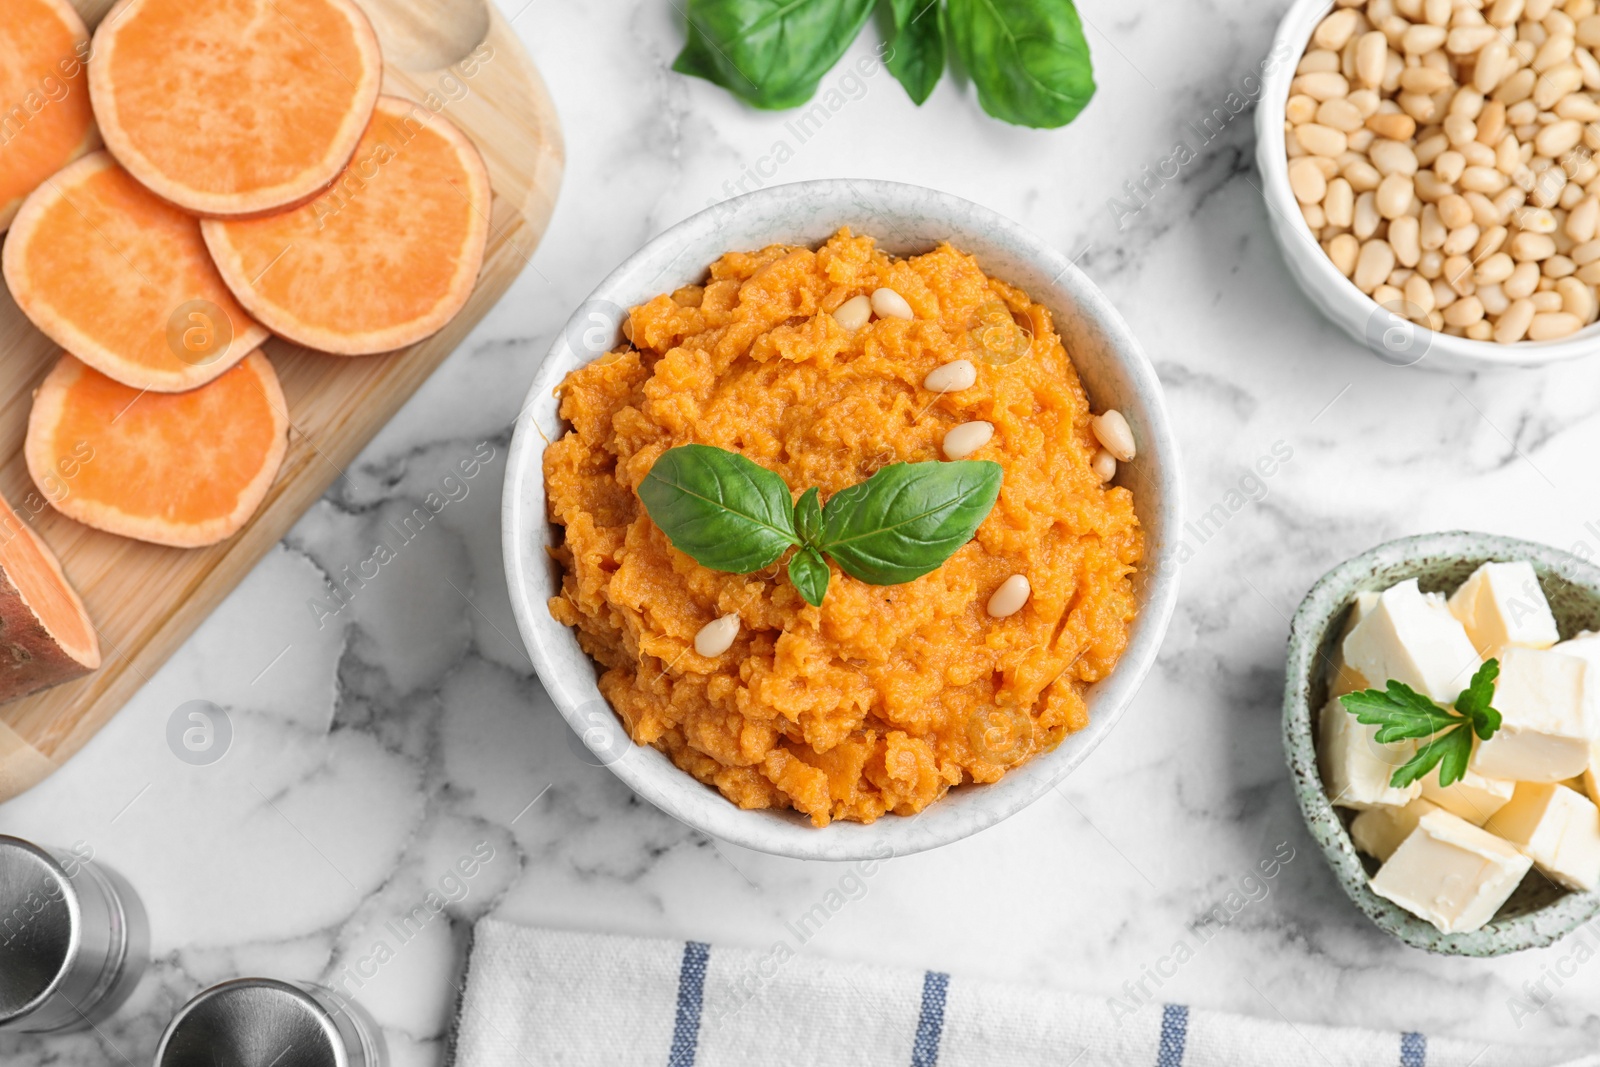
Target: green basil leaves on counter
{"x": 1028, "y": 58}
{"x": 771, "y": 52}
{"x": 916, "y": 50}
{"x": 733, "y": 515}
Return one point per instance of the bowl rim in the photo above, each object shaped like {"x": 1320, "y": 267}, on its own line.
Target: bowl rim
{"x": 1109, "y": 698}
{"x": 1293, "y": 34}
{"x": 1332, "y": 594}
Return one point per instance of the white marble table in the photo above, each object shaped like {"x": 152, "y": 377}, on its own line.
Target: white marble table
{"x": 373, "y": 750}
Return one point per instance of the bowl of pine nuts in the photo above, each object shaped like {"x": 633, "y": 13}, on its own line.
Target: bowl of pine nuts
{"x": 1431, "y": 174}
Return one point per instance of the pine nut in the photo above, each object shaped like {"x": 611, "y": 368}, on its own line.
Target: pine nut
{"x": 1404, "y": 239}
{"x": 1340, "y": 115}
{"x": 1366, "y": 220}
{"x": 1394, "y": 195}
{"x": 1531, "y": 247}
{"x": 1339, "y": 203}
{"x": 1374, "y": 265}
{"x": 1550, "y": 325}
{"x": 1114, "y": 434}
{"x": 1336, "y": 29}
{"x": 1010, "y": 597}
{"x": 1104, "y": 465}
{"x": 717, "y": 637}
{"x": 1494, "y": 270}
{"x": 1322, "y": 140}
{"x": 1513, "y": 325}
{"x": 891, "y": 305}
{"x": 1372, "y": 55}
{"x": 1464, "y": 312}
{"x": 1523, "y": 281}
{"x": 962, "y": 441}
{"x": 854, "y": 313}
{"x": 1343, "y": 250}
{"x": 1577, "y": 299}
{"x": 1322, "y": 85}
{"x": 1493, "y": 299}
{"x": 952, "y": 377}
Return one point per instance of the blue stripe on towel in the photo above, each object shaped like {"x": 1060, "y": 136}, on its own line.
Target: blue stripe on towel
{"x": 1413, "y": 1050}
{"x": 691, "y": 992}
{"x": 1174, "y": 1035}
{"x": 930, "y": 1023}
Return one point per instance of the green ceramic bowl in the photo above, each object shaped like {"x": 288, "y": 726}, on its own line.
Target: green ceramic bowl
{"x": 1538, "y": 913}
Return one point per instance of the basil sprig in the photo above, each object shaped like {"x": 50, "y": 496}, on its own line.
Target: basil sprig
{"x": 1402, "y": 714}
{"x": 733, "y": 515}
{"x": 1028, "y": 58}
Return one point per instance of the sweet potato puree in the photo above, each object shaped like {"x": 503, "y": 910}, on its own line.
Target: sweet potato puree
{"x": 884, "y": 697}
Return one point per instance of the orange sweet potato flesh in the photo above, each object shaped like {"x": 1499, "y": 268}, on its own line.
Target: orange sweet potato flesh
{"x": 123, "y": 280}
{"x": 45, "y": 118}
{"x": 384, "y": 258}
{"x": 234, "y": 107}
{"x": 46, "y": 637}
{"x": 181, "y": 469}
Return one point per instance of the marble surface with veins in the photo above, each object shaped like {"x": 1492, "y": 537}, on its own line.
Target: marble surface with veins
{"x": 374, "y": 747}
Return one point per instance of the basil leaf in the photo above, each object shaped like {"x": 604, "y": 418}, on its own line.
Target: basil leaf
{"x": 808, "y": 517}
{"x": 1028, "y": 58}
{"x": 809, "y": 573}
{"x": 718, "y": 507}
{"x": 916, "y": 46}
{"x": 771, "y": 52}
{"x": 1400, "y": 711}
{"x": 908, "y": 518}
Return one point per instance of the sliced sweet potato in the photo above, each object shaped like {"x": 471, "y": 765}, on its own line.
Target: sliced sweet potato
{"x": 381, "y": 260}
{"x": 122, "y": 279}
{"x": 234, "y": 107}
{"x": 46, "y": 637}
{"x": 47, "y": 121}
{"x": 182, "y": 469}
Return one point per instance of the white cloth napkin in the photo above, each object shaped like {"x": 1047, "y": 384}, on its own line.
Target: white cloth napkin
{"x": 546, "y": 997}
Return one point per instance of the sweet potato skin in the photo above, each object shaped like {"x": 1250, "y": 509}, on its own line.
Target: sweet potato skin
{"x": 30, "y": 657}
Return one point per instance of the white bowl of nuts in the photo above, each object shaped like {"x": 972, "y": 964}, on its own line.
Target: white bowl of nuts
{"x": 1431, "y": 174}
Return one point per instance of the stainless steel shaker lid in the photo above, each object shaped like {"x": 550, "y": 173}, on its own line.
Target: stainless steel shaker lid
{"x": 261, "y": 1022}
{"x": 39, "y": 926}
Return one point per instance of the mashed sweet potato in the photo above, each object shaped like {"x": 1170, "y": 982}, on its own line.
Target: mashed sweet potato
{"x": 884, "y": 697}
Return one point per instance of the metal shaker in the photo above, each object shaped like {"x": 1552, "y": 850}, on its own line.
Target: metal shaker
{"x": 262, "y": 1022}
{"x": 74, "y": 939}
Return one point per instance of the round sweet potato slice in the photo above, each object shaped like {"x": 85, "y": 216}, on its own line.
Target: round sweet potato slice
{"x": 123, "y": 280}
{"x": 234, "y": 107}
{"x": 181, "y": 469}
{"x": 384, "y": 258}
{"x": 46, "y": 637}
{"x": 47, "y": 121}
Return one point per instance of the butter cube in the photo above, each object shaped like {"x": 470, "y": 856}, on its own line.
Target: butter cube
{"x": 1502, "y": 606}
{"x": 1451, "y": 873}
{"x": 1413, "y": 639}
{"x": 1586, "y": 646}
{"x": 1355, "y": 768}
{"x": 1542, "y": 735}
{"x": 1379, "y": 831}
{"x": 1344, "y": 678}
{"x": 1474, "y": 798}
{"x": 1555, "y": 827}
{"x": 1591, "y": 773}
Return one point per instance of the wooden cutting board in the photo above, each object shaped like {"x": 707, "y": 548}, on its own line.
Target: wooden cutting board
{"x": 146, "y": 599}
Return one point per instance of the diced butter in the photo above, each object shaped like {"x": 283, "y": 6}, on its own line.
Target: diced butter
{"x": 1555, "y": 827}
{"x": 1343, "y": 678}
{"x": 1379, "y": 831}
{"x": 1474, "y": 798}
{"x": 1586, "y": 646}
{"x": 1451, "y": 873}
{"x": 1591, "y": 773}
{"x": 1542, "y": 735}
{"x": 1413, "y": 639}
{"x": 1502, "y": 606}
{"x": 1355, "y": 768}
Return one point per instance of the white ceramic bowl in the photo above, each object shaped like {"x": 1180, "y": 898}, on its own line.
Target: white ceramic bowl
{"x": 1395, "y": 340}
{"x": 905, "y": 219}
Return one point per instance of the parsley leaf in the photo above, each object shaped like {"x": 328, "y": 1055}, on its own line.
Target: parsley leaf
{"x": 1401, "y": 713}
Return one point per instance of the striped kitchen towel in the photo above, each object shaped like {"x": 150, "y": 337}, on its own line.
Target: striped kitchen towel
{"x": 544, "y": 997}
